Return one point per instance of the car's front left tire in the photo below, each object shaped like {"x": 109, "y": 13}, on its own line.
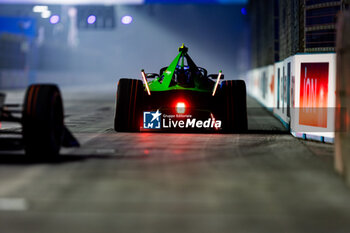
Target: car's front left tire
{"x": 42, "y": 121}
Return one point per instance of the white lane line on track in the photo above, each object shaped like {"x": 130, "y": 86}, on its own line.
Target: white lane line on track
{"x": 13, "y": 204}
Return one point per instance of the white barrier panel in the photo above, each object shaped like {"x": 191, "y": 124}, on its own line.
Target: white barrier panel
{"x": 301, "y": 92}
{"x": 261, "y": 85}
{"x": 250, "y": 82}
{"x": 313, "y": 116}
{"x": 283, "y": 71}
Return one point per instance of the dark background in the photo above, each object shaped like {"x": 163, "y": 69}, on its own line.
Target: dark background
{"x": 217, "y": 37}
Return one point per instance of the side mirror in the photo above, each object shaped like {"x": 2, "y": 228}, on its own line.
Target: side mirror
{"x": 215, "y": 76}
{"x": 152, "y": 75}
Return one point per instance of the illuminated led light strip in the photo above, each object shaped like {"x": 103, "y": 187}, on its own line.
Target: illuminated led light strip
{"x": 217, "y": 83}
{"x": 145, "y": 81}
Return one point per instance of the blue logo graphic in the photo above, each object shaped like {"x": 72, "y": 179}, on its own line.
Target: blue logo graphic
{"x": 151, "y": 120}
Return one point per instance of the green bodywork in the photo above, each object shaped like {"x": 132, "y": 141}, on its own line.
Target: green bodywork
{"x": 162, "y": 83}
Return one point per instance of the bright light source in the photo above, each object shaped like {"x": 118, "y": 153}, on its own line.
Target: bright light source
{"x": 145, "y": 82}
{"x": 54, "y": 19}
{"x": 217, "y": 83}
{"x": 91, "y": 19}
{"x": 127, "y": 19}
{"x": 244, "y": 11}
{"x": 45, "y": 14}
{"x": 39, "y": 9}
{"x": 180, "y": 107}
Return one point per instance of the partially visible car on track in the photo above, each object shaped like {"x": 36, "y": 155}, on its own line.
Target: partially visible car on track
{"x": 42, "y": 119}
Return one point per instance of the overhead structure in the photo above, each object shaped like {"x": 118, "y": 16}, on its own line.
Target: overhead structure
{"x": 104, "y": 2}
{"x": 95, "y": 17}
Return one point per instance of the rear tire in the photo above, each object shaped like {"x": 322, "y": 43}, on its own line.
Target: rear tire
{"x": 234, "y": 100}
{"x": 42, "y": 121}
{"x": 128, "y": 103}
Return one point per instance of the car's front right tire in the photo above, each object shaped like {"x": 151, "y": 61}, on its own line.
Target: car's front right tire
{"x": 234, "y": 106}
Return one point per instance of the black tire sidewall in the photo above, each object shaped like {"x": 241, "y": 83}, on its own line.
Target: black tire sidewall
{"x": 128, "y": 105}
{"x": 43, "y": 121}
{"x": 234, "y": 106}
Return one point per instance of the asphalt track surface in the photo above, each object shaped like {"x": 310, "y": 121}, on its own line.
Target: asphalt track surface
{"x": 262, "y": 181}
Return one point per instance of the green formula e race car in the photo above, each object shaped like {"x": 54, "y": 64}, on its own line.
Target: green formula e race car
{"x": 182, "y": 97}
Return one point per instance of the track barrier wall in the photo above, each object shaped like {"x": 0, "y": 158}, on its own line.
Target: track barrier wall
{"x": 300, "y": 92}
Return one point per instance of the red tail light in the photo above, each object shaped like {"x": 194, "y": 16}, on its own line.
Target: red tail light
{"x": 180, "y": 107}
